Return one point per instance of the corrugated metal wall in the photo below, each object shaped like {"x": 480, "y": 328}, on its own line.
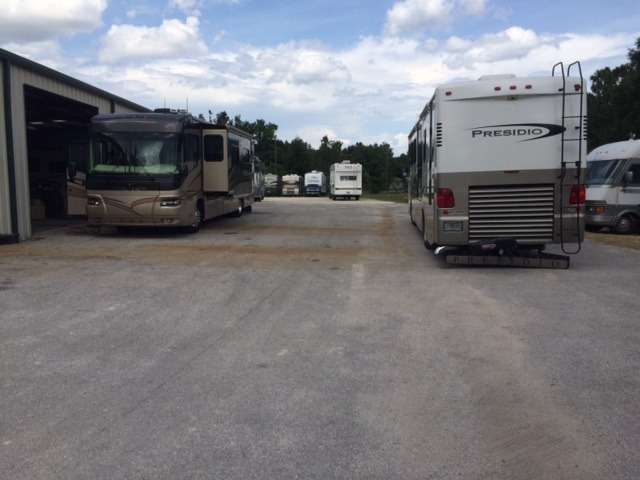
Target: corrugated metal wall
{"x": 5, "y": 211}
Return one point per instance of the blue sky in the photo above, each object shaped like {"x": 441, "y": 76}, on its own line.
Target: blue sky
{"x": 354, "y": 70}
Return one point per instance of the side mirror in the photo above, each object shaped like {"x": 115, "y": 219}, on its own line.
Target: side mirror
{"x": 73, "y": 171}
{"x": 628, "y": 178}
{"x": 183, "y": 170}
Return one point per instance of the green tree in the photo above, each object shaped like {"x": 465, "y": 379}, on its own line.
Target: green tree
{"x": 295, "y": 157}
{"x": 613, "y": 107}
{"x": 330, "y": 152}
{"x": 378, "y": 166}
{"x": 222, "y": 118}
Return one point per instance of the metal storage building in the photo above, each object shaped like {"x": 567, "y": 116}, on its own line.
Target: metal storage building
{"x": 44, "y": 125}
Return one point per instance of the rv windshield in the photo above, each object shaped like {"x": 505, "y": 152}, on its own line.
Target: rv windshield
{"x": 135, "y": 153}
{"x": 604, "y": 172}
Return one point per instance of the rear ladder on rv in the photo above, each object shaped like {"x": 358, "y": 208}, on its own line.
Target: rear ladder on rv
{"x": 580, "y": 130}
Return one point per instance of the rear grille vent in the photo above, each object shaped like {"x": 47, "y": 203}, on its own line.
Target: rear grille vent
{"x": 438, "y": 134}
{"x": 523, "y": 212}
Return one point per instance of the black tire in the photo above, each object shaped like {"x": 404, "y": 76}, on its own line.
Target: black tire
{"x": 624, "y": 225}
{"x": 237, "y": 213}
{"x": 198, "y": 215}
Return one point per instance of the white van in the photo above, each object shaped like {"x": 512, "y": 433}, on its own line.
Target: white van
{"x": 613, "y": 187}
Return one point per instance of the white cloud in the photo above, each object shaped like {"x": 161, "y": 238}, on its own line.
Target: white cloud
{"x": 473, "y": 7}
{"x": 191, "y": 7}
{"x": 170, "y": 40}
{"x": 412, "y": 17}
{"x": 39, "y": 20}
{"x": 44, "y": 52}
{"x": 514, "y": 42}
{"x": 301, "y": 65}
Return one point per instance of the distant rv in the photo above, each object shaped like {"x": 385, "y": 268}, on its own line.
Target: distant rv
{"x": 166, "y": 169}
{"x": 345, "y": 180}
{"x": 315, "y": 183}
{"x": 292, "y": 185}
{"x": 272, "y": 185}
{"x": 613, "y": 187}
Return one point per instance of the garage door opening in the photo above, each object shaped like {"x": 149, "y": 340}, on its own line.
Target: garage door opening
{"x": 57, "y": 134}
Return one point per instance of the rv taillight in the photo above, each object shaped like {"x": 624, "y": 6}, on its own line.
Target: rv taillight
{"x": 445, "y": 198}
{"x": 578, "y": 195}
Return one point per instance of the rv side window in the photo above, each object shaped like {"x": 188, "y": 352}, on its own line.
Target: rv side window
{"x": 635, "y": 170}
{"x": 234, "y": 152}
{"x": 213, "y": 148}
{"x": 246, "y": 158}
{"x": 191, "y": 151}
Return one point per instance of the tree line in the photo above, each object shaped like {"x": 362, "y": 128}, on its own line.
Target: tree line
{"x": 613, "y": 114}
{"x": 613, "y": 105}
{"x": 381, "y": 169}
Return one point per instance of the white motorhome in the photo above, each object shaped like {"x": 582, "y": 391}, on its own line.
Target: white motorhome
{"x": 315, "y": 183}
{"x": 345, "y": 180}
{"x": 292, "y": 184}
{"x": 613, "y": 187}
{"x": 501, "y": 158}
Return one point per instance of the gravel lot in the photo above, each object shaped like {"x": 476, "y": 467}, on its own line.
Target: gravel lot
{"x": 311, "y": 339}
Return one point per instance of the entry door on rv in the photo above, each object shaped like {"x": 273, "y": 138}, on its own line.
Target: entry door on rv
{"x": 215, "y": 169}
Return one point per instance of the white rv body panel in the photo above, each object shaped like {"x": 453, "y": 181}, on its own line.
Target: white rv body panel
{"x": 345, "y": 180}
{"x": 613, "y": 186}
{"x": 505, "y": 130}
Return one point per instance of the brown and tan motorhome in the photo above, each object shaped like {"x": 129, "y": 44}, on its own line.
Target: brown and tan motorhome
{"x": 166, "y": 169}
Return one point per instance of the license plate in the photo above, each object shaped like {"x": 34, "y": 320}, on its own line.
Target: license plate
{"x": 452, "y": 226}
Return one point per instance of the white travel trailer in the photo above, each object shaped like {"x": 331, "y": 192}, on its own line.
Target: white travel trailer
{"x": 497, "y": 169}
{"x": 166, "y": 169}
{"x": 345, "y": 180}
{"x": 315, "y": 183}
{"x": 292, "y": 184}
{"x": 613, "y": 187}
